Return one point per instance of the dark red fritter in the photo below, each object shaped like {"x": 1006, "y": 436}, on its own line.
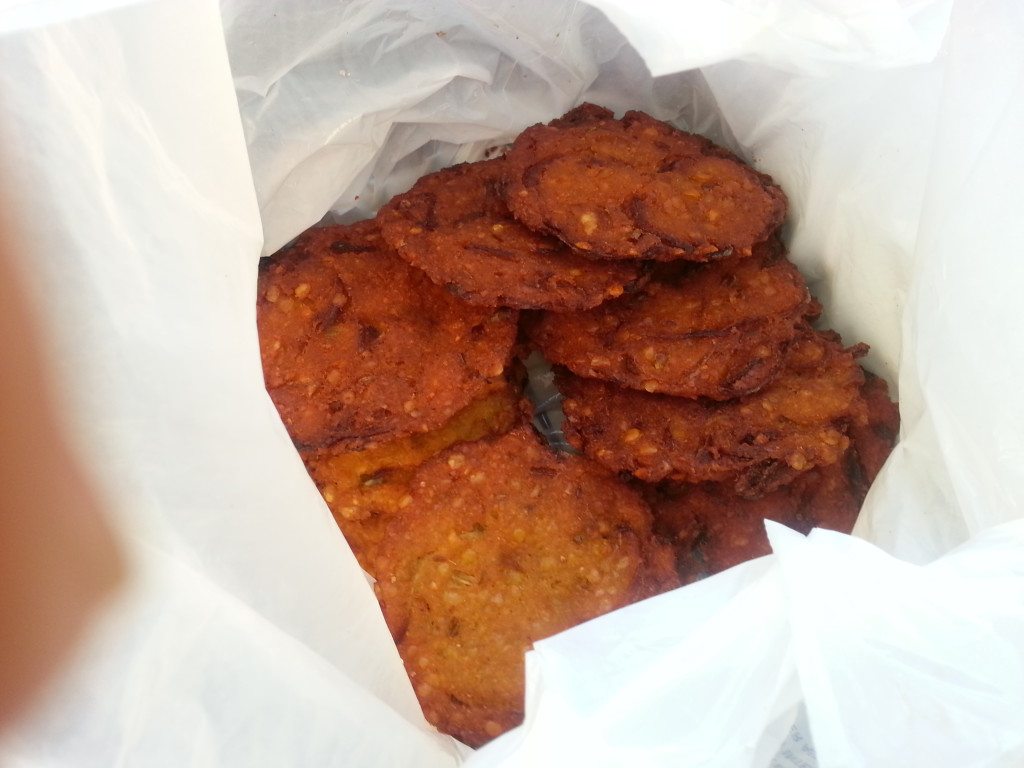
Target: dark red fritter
{"x": 713, "y": 529}
{"x": 719, "y": 330}
{"x": 506, "y": 542}
{"x": 359, "y": 348}
{"x": 455, "y": 226}
{"x": 637, "y": 188}
{"x": 875, "y": 439}
{"x": 757, "y": 442}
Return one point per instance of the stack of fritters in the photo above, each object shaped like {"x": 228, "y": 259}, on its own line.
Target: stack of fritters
{"x": 713, "y": 528}
{"x": 649, "y": 267}
{"x": 373, "y": 369}
{"x": 708, "y": 379}
{"x": 756, "y": 442}
{"x": 397, "y": 394}
{"x": 455, "y": 226}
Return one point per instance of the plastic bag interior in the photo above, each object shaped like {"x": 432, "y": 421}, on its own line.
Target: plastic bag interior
{"x": 159, "y": 148}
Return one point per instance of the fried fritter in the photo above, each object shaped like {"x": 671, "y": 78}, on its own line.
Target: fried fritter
{"x": 713, "y": 529}
{"x": 455, "y": 226}
{"x": 366, "y": 489}
{"x": 638, "y": 188}
{"x": 757, "y": 442}
{"x": 875, "y": 439}
{"x": 719, "y": 331}
{"x": 359, "y": 348}
{"x": 504, "y": 543}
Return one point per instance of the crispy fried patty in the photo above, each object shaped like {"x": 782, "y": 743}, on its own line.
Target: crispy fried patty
{"x": 505, "y": 543}
{"x": 455, "y": 226}
{"x": 712, "y": 528}
{"x": 720, "y": 330}
{"x": 366, "y": 489}
{"x": 875, "y": 439}
{"x": 757, "y": 442}
{"x": 360, "y": 348}
{"x": 637, "y": 188}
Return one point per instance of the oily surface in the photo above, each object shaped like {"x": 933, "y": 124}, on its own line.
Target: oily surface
{"x": 718, "y": 330}
{"x": 359, "y": 348}
{"x": 504, "y": 543}
{"x": 638, "y": 188}
{"x": 455, "y": 226}
{"x": 367, "y": 489}
{"x": 758, "y": 442}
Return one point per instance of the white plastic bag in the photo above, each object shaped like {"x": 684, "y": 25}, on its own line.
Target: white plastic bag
{"x": 250, "y": 637}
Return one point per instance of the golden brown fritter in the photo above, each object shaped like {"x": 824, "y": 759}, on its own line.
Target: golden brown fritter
{"x": 504, "y": 543}
{"x": 455, "y": 226}
{"x": 720, "y": 331}
{"x": 366, "y": 489}
{"x": 757, "y": 442}
{"x": 360, "y": 348}
{"x": 637, "y": 188}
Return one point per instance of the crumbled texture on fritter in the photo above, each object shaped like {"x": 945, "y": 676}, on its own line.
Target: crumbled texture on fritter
{"x": 366, "y": 489}
{"x": 455, "y": 226}
{"x": 360, "y": 348}
{"x": 712, "y": 528}
{"x": 719, "y": 330}
{"x": 504, "y": 543}
{"x": 638, "y": 188}
{"x": 758, "y": 442}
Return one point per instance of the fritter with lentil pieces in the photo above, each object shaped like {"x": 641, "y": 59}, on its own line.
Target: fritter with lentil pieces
{"x": 366, "y": 489}
{"x": 455, "y": 226}
{"x": 637, "y": 188}
{"x": 720, "y": 330}
{"x": 757, "y": 442}
{"x": 360, "y": 348}
{"x": 504, "y": 543}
